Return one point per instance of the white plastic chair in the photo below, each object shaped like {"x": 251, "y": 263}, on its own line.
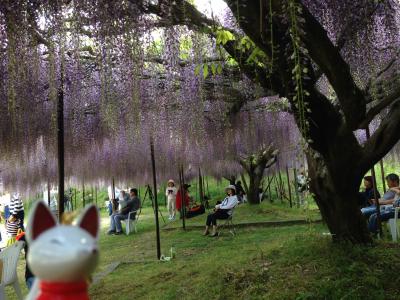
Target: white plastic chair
{"x": 394, "y": 231}
{"x": 129, "y": 223}
{"x": 9, "y": 257}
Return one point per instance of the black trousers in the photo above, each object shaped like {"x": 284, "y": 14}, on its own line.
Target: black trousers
{"x": 221, "y": 214}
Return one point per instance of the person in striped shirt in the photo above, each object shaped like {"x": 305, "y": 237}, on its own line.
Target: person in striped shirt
{"x": 17, "y": 208}
{"x": 12, "y": 225}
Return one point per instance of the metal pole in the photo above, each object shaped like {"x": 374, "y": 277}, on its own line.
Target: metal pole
{"x": 378, "y": 210}
{"x": 153, "y": 164}
{"x": 60, "y": 144}
{"x": 289, "y": 188}
{"x": 383, "y": 176}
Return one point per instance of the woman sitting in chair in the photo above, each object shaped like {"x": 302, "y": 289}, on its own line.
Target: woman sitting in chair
{"x": 222, "y": 211}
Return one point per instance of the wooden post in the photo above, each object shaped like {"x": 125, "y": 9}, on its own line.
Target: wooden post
{"x": 208, "y": 191}
{"x": 269, "y": 189}
{"x": 204, "y": 186}
{"x": 277, "y": 189}
{"x": 383, "y": 176}
{"x": 277, "y": 193}
{"x": 165, "y": 196}
{"x": 60, "y": 143}
{"x": 183, "y": 208}
{"x": 83, "y": 194}
{"x": 296, "y": 188}
{"x": 153, "y": 165}
{"x": 289, "y": 188}
{"x": 71, "y": 200}
{"x": 201, "y": 191}
{"x": 75, "y": 198}
{"x": 48, "y": 192}
{"x": 92, "y": 193}
{"x": 113, "y": 194}
{"x": 378, "y": 209}
{"x": 95, "y": 194}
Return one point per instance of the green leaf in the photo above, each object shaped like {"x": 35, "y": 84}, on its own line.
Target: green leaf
{"x": 224, "y": 36}
{"x": 213, "y": 69}
{"x": 205, "y": 71}
{"x": 197, "y": 70}
{"x": 219, "y": 69}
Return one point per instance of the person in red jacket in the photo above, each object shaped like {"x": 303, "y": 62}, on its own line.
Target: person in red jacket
{"x": 179, "y": 198}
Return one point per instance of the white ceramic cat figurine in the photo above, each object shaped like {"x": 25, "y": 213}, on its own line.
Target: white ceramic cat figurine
{"x": 62, "y": 257}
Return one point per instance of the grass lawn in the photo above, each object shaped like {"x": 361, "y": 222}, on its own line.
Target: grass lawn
{"x": 288, "y": 262}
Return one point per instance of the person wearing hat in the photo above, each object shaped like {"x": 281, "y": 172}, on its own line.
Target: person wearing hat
{"x": 186, "y": 199}
{"x": 170, "y": 193}
{"x": 222, "y": 211}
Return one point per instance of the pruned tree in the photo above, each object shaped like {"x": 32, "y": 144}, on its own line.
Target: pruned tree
{"x": 254, "y": 165}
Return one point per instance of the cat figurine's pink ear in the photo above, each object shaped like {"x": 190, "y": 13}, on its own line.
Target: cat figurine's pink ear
{"x": 90, "y": 220}
{"x": 41, "y": 220}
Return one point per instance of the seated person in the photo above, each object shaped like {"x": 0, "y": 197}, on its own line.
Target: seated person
{"x": 222, "y": 211}
{"x": 186, "y": 197}
{"x": 392, "y": 180}
{"x": 239, "y": 191}
{"x": 29, "y": 277}
{"x": 366, "y": 197}
{"x": 386, "y": 214}
{"x": 133, "y": 204}
{"x": 123, "y": 199}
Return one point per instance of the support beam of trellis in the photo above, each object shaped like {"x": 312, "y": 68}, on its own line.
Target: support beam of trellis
{"x": 153, "y": 166}
{"x": 60, "y": 143}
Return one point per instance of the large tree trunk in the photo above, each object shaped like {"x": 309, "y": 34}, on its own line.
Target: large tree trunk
{"x": 255, "y": 177}
{"x": 254, "y": 165}
{"x": 337, "y": 201}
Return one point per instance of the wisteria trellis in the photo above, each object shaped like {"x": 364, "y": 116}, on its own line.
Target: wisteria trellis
{"x": 125, "y": 80}
{"x": 333, "y": 65}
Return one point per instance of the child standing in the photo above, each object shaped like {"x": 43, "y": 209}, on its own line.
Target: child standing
{"x": 12, "y": 226}
{"x": 171, "y": 196}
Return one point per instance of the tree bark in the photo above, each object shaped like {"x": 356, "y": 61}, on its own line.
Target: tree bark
{"x": 255, "y": 165}
{"x": 337, "y": 202}
{"x": 253, "y": 196}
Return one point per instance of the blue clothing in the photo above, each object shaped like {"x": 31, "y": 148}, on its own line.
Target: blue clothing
{"x": 7, "y": 212}
{"x": 115, "y": 221}
{"x": 373, "y": 219}
{"x": 370, "y": 210}
{"x": 110, "y": 208}
{"x": 389, "y": 195}
{"x": 29, "y": 282}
